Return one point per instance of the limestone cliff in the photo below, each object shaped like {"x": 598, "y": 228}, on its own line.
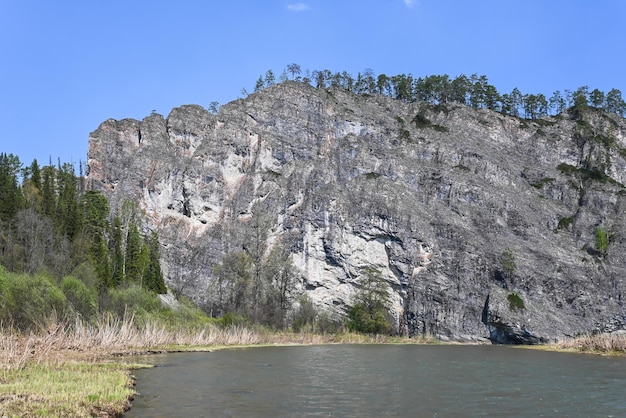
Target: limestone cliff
{"x": 434, "y": 197}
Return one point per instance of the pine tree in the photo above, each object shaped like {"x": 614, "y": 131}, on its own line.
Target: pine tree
{"x": 460, "y": 87}
{"x": 117, "y": 265}
{"x": 154, "y": 276}
{"x": 68, "y": 214}
{"x": 270, "y": 79}
{"x": 557, "y": 102}
{"x": 95, "y": 210}
{"x": 259, "y": 84}
{"x": 48, "y": 195}
{"x": 133, "y": 262}
{"x": 31, "y": 186}
{"x": 11, "y": 199}
{"x": 101, "y": 262}
{"x": 614, "y": 103}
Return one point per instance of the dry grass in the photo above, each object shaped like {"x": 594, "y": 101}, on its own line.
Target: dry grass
{"x": 111, "y": 336}
{"x": 66, "y": 369}
{"x": 613, "y": 343}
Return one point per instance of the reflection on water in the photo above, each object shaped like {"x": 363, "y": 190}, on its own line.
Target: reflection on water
{"x": 381, "y": 380}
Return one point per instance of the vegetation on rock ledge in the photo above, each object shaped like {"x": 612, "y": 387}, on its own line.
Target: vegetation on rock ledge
{"x": 474, "y": 91}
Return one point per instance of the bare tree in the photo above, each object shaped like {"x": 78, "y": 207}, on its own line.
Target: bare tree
{"x": 36, "y": 234}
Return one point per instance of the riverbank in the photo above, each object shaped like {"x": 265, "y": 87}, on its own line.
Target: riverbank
{"x": 83, "y": 370}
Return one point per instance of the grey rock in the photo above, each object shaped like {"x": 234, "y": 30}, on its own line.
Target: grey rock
{"x": 349, "y": 182}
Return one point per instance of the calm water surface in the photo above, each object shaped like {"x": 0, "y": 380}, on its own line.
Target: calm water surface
{"x": 379, "y": 381}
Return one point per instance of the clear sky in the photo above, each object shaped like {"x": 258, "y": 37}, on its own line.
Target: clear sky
{"x": 68, "y": 65}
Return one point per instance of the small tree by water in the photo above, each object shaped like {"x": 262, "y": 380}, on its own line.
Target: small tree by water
{"x": 370, "y": 313}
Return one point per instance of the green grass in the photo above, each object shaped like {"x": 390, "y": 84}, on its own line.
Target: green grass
{"x": 67, "y": 389}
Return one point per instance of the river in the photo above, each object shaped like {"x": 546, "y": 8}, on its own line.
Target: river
{"x": 379, "y": 381}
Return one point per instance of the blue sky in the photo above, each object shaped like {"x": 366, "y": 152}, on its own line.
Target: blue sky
{"x": 68, "y": 65}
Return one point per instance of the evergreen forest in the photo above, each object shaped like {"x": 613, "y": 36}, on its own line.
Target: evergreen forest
{"x": 474, "y": 91}
{"x": 62, "y": 254}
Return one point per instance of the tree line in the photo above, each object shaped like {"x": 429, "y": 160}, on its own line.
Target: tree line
{"x": 474, "y": 91}
{"x": 50, "y": 225}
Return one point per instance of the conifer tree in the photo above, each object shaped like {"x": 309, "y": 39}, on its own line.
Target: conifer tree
{"x": 133, "y": 256}
{"x": 117, "y": 264}
{"x": 557, "y": 102}
{"x": 370, "y": 313}
{"x": 270, "y": 78}
{"x": 614, "y": 103}
{"x": 68, "y": 216}
{"x": 95, "y": 209}
{"x": 31, "y": 186}
{"x": 154, "y": 276}
{"x": 48, "y": 196}
{"x": 259, "y": 84}
{"x": 10, "y": 192}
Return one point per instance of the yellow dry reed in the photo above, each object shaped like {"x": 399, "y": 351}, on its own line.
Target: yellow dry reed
{"x": 601, "y": 343}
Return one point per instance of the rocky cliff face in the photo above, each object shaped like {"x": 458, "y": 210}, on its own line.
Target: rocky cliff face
{"x": 467, "y": 214}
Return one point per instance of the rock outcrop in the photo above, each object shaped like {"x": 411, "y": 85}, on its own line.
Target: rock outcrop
{"x": 463, "y": 211}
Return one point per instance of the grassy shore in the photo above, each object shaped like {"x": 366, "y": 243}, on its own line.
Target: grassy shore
{"x": 82, "y": 370}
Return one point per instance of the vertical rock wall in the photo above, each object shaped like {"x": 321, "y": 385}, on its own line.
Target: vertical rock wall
{"x": 349, "y": 182}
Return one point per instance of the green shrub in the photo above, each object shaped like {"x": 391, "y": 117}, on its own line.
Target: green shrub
{"x": 593, "y": 173}
{"x": 372, "y": 175}
{"x": 133, "y": 299}
{"x": 507, "y": 260}
{"x": 79, "y": 297}
{"x": 421, "y": 121}
{"x": 230, "y": 319}
{"x": 515, "y": 302}
{"x": 404, "y": 135}
{"x": 305, "y": 317}
{"x": 539, "y": 184}
{"x": 26, "y": 302}
{"x": 368, "y": 319}
{"x": 567, "y": 168}
{"x": 602, "y": 241}
{"x": 564, "y": 223}
{"x": 86, "y": 274}
{"x": 185, "y": 312}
